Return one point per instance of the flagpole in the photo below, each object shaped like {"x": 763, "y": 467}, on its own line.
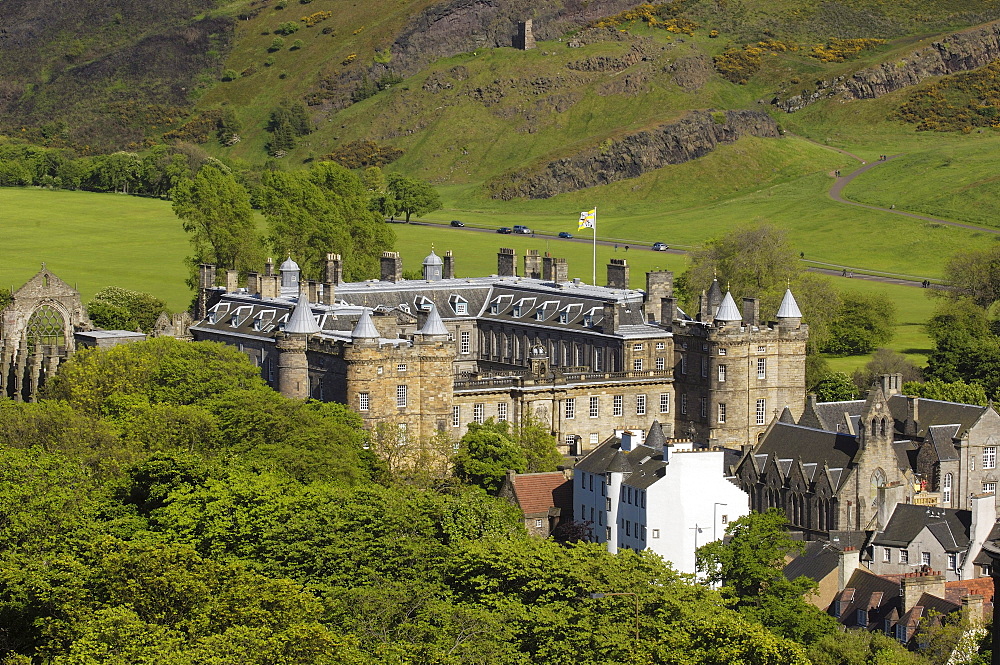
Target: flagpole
{"x": 594, "y": 263}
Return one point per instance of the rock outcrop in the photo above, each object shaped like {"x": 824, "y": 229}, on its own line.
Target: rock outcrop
{"x": 958, "y": 52}
{"x": 693, "y": 136}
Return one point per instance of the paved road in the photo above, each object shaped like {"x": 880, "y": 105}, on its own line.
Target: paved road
{"x": 838, "y": 188}
{"x": 834, "y": 272}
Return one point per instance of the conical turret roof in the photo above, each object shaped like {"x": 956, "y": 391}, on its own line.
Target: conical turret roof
{"x": 728, "y": 311}
{"x": 433, "y": 259}
{"x": 366, "y": 327}
{"x": 619, "y": 463}
{"x": 302, "y": 320}
{"x": 714, "y": 293}
{"x": 789, "y": 309}
{"x": 655, "y": 437}
{"x": 289, "y": 265}
{"x": 433, "y": 325}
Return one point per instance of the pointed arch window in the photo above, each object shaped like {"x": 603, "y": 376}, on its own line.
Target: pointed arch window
{"x": 46, "y": 326}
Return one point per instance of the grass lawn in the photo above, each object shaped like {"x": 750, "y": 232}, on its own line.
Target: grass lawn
{"x": 94, "y": 240}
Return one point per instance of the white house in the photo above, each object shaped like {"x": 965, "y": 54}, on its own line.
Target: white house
{"x": 670, "y": 498}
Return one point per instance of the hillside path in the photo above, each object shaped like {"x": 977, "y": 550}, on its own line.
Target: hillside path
{"x": 836, "y": 193}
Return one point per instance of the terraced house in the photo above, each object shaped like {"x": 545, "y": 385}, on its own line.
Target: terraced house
{"x": 437, "y": 353}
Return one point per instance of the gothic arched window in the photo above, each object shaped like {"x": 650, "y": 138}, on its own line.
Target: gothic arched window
{"x": 46, "y": 326}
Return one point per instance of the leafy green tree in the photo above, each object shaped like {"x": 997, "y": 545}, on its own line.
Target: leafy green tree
{"x": 748, "y": 564}
{"x": 325, "y": 209}
{"x": 864, "y": 322}
{"x": 412, "y": 196}
{"x": 758, "y": 262}
{"x": 215, "y": 210}
{"x": 975, "y": 274}
{"x": 485, "y": 454}
{"x": 538, "y": 444}
{"x": 957, "y": 391}
{"x": 885, "y": 361}
{"x": 966, "y": 347}
{"x": 836, "y": 387}
{"x": 116, "y": 308}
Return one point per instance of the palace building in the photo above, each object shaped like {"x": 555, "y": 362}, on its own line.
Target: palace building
{"x": 434, "y": 354}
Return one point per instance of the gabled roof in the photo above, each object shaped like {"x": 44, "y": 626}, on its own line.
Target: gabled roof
{"x": 812, "y": 446}
{"x": 949, "y": 526}
{"x": 979, "y": 586}
{"x": 828, "y": 415}
{"x": 942, "y": 441}
{"x": 537, "y": 492}
{"x": 932, "y": 412}
{"x": 877, "y": 595}
{"x": 819, "y": 559}
{"x": 645, "y": 464}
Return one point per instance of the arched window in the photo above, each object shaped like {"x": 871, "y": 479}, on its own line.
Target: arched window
{"x": 882, "y": 430}
{"x": 46, "y": 326}
{"x": 874, "y": 427}
{"x": 878, "y": 478}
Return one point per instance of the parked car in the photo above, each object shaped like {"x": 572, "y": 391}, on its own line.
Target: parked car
{"x": 660, "y": 246}
{"x": 565, "y": 234}
{"x": 455, "y": 222}
{"x": 524, "y": 230}
{"x": 504, "y": 229}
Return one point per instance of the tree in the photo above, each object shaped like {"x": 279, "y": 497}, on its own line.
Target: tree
{"x": 748, "y": 564}
{"x": 885, "y": 361}
{"x": 116, "y": 308}
{"x": 412, "y": 196}
{"x": 485, "y": 454}
{"x": 325, "y": 209}
{"x": 758, "y": 262}
{"x": 538, "y": 444}
{"x": 966, "y": 347}
{"x": 975, "y": 274}
{"x": 836, "y": 387}
{"x": 215, "y": 210}
{"x": 864, "y": 322}
{"x": 957, "y": 391}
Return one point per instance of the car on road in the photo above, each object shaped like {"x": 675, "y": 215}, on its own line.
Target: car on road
{"x": 504, "y": 229}
{"x": 455, "y": 222}
{"x": 523, "y": 230}
{"x": 660, "y": 246}
{"x": 565, "y": 234}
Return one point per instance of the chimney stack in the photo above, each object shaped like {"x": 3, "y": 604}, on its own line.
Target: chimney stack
{"x": 751, "y": 311}
{"x": 618, "y": 274}
{"x": 253, "y": 283}
{"x": 232, "y": 281}
{"x": 610, "y": 323}
{"x": 449, "y": 265}
{"x": 668, "y": 310}
{"x": 392, "y": 267}
{"x": 659, "y": 285}
{"x": 915, "y": 585}
{"x": 560, "y": 270}
{"x": 532, "y": 264}
{"x": 506, "y": 263}
{"x": 334, "y": 273}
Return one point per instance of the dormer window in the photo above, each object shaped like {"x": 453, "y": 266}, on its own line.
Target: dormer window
{"x": 563, "y": 317}
{"x": 423, "y": 303}
{"x": 459, "y": 305}
{"x": 539, "y": 314}
{"x": 588, "y": 321}
{"x": 494, "y": 308}
{"x": 213, "y": 317}
{"x": 516, "y": 311}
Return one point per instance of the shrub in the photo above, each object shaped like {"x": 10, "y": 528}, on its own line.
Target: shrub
{"x": 297, "y": 44}
{"x": 276, "y": 44}
{"x": 318, "y": 17}
{"x": 230, "y": 75}
{"x": 362, "y": 154}
{"x": 287, "y": 28}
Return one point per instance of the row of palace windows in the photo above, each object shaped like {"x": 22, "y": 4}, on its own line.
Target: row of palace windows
{"x": 617, "y": 405}
{"x": 903, "y": 557}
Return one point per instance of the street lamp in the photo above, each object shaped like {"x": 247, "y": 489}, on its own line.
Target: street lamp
{"x": 598, "y": 595}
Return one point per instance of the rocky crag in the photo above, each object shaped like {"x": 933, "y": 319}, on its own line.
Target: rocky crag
{"x": 694, "y": 136}
{"x": 958, "y": 52}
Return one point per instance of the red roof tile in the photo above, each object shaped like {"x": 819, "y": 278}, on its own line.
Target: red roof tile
{"x": 980, "y": 586}
{"x": 537, "y": 492}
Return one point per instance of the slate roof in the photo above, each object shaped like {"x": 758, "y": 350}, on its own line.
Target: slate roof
{"x": 941, "y": 439}
{"x": 728, "y": 311}
{"x": 819, "y": 559}
{"x": 645, "y": 464}
{"x": 874, "y": 593}
{"x": 983, "y": 558}
{"x": 831, "y": 414}
{"x": 932, "y": 412}
{"x": 433, "y": 325}
{"x": 787, "y": 441}
{"x": 365, "y": 328}
{"x": 949, "y": 526}
{"x": 537, "y": 492}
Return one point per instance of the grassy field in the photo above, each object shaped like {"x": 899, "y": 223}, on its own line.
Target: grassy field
{"x": 94, "y": 240}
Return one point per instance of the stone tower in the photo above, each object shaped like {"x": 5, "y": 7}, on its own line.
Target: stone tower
{"x": 292, "y": 344}
{"x": 525, "y": 39}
